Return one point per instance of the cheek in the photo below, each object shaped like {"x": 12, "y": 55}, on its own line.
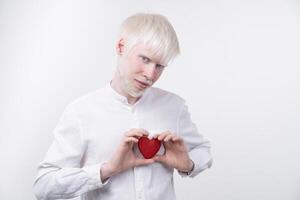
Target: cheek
{"x": 137, "y": 65}
{"x": 136, "y": 68}
{"x": 128, "y": 68}
{"x": 129, "y": 72}
{"x": 158, "y": 75}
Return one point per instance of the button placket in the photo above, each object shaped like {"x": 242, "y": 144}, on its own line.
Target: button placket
{"x": 139, "y": 183}
{"x": 134, "y": 118}
{"x": 139, "y": 188}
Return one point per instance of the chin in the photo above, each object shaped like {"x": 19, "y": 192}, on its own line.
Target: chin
{"x": 136, "y": 93}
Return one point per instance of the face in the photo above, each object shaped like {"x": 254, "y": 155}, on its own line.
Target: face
{"x": 139, "y": 70}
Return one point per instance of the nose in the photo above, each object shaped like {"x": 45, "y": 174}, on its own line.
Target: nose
{"x": 150, "y": 71}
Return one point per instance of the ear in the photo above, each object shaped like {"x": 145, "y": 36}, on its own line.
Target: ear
{"x": 120, "y": 46}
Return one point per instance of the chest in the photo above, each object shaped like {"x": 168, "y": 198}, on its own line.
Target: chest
{"x": 103, "y": 130}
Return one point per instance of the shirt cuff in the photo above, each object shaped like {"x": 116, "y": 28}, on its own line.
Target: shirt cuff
{"x": 189, "y": 172}
{"x": 93, "y": 173}
{"x": 201, "y": 163}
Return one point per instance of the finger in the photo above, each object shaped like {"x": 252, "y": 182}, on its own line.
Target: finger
{"x": 161, "y": 159}
{"x": 163, "y": 135}
{"x": 137, "y": 132}
{"x": 130, "y": 139}
{"x": 141, "y": 130}
{"x": 133, "y": 133}
{"x": 140, "y": 161}
{"x": 169, "y": 137}
{"x": 177, "y": 139}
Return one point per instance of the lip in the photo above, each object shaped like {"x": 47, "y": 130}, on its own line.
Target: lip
{"x": 141, "y": 85}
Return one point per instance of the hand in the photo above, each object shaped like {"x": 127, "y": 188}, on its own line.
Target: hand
{"x": 124, "y": 157}
{"x": 176, "y": 154}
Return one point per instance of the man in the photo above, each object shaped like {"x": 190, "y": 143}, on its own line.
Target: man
{"x": 95, "y": 152}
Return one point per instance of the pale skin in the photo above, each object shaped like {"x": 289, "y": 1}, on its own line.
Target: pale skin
{"x": 176, "y": 154}
{"x": 135, "y": 72}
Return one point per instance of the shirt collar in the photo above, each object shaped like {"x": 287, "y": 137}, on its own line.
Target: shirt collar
{"x": 122, "y": 98}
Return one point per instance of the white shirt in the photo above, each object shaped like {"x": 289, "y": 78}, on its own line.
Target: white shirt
{"x": 88, "y": 133}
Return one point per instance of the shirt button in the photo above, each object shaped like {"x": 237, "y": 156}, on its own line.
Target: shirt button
{"x": 140, "y": 195}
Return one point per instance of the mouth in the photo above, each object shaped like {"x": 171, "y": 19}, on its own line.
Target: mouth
{"x": 141, "y": 84}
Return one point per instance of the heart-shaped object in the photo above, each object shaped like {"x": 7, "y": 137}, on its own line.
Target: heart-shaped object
{"x": 148, "y": 147}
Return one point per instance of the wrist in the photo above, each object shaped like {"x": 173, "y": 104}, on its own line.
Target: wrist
{"x": 189, "y": 169}
{"x": 106, "y": 171}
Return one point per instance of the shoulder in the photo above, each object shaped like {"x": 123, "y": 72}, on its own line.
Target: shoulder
{"x": 89, "y": 99}
{"x": 164, "y": 96}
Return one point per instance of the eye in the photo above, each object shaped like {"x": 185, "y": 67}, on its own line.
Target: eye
{"x": 145, "y": 59}
{"x": 160, "y": 66}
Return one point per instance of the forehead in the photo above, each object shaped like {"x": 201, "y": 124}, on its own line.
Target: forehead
{"x": 145, "y": 50}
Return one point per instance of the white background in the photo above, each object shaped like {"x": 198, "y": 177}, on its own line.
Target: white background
{"x": 239, "y": 72}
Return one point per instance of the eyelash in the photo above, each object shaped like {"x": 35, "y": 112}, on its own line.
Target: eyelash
{"x": 147, "y": 60}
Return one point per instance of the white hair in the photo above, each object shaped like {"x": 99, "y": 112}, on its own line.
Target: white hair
{"x": 153, "y": 30}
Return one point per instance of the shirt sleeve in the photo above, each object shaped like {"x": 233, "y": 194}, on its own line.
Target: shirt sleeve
{"x": 60, "y": 174}
{"x": 198, "y": 147}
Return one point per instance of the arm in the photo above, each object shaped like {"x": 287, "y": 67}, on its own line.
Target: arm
{"x": 186, "y": 151}
{"x": 60, "y": 174}
{"x": 198, "y": 148}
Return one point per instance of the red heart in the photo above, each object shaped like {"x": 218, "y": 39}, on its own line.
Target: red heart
{"x": 147, "y": 147}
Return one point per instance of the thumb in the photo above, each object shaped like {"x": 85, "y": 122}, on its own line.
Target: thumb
{"x": 141, "y": 161}
{"x": 161, "y": 159}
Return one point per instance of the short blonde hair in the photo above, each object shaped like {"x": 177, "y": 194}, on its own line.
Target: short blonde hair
{"x": 153, "y": 30}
